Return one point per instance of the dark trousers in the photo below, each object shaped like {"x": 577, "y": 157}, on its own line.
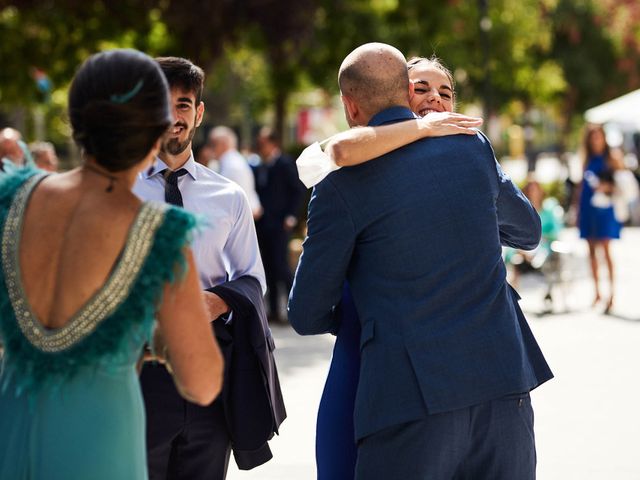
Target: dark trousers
{"x": 184, "y": 441}
{"x": 274, "y": 249}
{"x": 490, "y": 441}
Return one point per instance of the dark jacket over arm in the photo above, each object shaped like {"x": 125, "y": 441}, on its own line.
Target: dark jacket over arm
{"x": 252, "y": 397}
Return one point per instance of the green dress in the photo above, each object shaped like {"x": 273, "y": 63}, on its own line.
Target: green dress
{"x": 70, "y": 403}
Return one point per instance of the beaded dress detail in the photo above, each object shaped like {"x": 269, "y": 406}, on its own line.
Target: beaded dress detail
{"x": 102, "y": 304}
{"x": 70, "y": 400}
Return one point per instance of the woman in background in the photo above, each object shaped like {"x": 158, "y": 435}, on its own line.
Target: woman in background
{"x": 596, "y": 219}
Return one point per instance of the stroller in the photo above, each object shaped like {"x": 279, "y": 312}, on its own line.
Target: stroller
{"x": 558, "y": 271}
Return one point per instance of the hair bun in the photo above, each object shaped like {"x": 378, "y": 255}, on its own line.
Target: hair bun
{"x": 119, "y": 134}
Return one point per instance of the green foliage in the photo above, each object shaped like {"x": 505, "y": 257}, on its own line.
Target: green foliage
{"x": 557, "y": 190}
{"x": 56, "y": 37}
{"x": 585, "y": 52}
{"x": 555, "y": 55}
{"x": 240, "y": 84}
{"x": 520, "y": 40}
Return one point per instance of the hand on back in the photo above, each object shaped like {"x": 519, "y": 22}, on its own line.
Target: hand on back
{"x": 438, "y": 124}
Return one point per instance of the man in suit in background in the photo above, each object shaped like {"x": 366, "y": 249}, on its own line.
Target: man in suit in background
{"x": 281, "y": 194}
{"x": 448, "y": 360}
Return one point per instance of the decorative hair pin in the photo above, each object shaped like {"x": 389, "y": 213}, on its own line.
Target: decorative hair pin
{"x": 125, "y": 97}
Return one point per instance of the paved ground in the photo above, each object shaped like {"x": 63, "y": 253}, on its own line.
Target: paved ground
{"x": 587, "y": 418}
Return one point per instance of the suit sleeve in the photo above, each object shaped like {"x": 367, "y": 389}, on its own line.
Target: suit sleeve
{"x": 518, "y": 221}
{"x": 321, "y": 272}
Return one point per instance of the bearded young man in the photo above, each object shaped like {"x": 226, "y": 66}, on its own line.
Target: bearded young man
{"x": 184, "y": 440}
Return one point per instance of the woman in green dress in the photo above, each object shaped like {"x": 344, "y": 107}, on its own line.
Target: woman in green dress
{"x": 87, "y": 268}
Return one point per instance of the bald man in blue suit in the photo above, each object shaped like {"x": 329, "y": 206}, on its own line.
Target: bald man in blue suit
{"x": 448, "y": 359}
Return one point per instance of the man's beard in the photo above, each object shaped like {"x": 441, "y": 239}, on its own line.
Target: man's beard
{"x": 174, "y": 146}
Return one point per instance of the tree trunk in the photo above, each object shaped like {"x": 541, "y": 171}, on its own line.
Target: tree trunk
{"x": 281, "y": 114}
{"x": 569, "y": 111}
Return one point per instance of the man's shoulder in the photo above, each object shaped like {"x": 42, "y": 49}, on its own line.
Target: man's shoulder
{"x": 470, "y": 147}
{"x": 205, "y": 174}
{"x": 215, "y": 182}
{"x": 345, "y": 182}
{"x": 450, "y": 154}
{"x": 145, "y": 186}
{"x": 479, "y": 140}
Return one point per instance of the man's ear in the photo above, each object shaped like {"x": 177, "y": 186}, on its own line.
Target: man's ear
{"x": 351, "y": 107}
{"x": 199, "y": 113}
{"x": 412, "y": 90}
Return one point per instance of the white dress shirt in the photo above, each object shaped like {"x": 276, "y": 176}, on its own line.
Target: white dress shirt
{"x": 227, "y": 247}
{"x": 234, "y": 166}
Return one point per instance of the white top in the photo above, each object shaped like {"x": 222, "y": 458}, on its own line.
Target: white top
{"x": 234, "y": 166}
{"x": 227, "y": 247}
{"x": 314, "y": 165}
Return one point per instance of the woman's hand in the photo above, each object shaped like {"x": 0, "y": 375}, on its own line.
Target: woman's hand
{"x": 438, "y": 124}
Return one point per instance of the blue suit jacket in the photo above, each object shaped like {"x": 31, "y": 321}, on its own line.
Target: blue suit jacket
{"x": 418, "y": 234}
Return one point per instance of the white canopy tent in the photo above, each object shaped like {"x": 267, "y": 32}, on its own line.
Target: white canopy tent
{"x": 623, "y": 111}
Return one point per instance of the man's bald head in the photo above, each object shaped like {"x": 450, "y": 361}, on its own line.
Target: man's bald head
{"x": 225, "y": 134}
{"x": 10, "y": 146}
{"x": 221, "y": 140}
{"x": 375, "y": 76}
{"x": 10, "y": 133}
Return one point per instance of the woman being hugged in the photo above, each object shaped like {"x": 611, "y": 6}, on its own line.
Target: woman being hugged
{"x": 86, "y": 269}
{"x": 433, "y": 102}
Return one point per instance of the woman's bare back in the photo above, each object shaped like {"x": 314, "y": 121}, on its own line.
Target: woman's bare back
{"x": 72, "y": 237}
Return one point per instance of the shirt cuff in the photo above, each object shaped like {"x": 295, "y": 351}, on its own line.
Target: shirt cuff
{"x": 314, "y": 165}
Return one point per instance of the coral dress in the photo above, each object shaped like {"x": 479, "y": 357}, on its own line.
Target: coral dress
{"x": 70, "y": 402}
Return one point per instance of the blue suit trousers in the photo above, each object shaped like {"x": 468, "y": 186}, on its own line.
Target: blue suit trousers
{"x": 489, "y": 441}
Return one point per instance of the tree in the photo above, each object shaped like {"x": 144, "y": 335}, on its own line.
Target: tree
{"x": 586, "y": 52}
{"x": 563, "y": 54}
